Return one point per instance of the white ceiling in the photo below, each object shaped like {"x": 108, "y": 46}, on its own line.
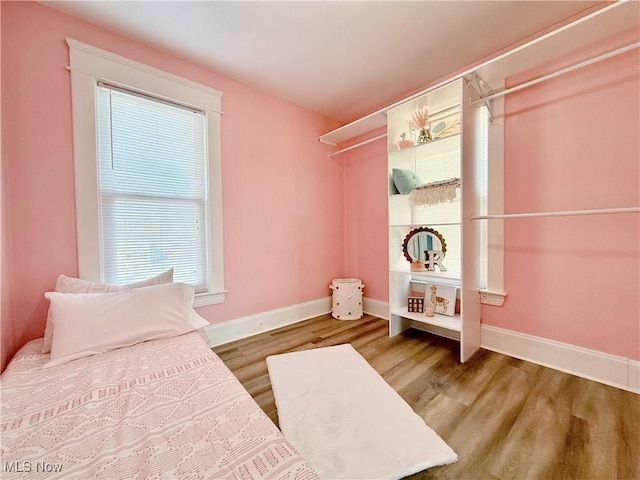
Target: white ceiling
{"x": 342, "y": 59}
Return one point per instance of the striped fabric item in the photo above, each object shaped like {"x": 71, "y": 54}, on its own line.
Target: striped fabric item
{"x": 161, "y": 409}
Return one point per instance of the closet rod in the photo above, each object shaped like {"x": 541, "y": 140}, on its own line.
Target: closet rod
{"x": 566, "y": 213}
{"x": 557, "y": 73}
{"x": 359, "y": 144}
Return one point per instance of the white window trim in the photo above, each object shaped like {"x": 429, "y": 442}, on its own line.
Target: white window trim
{"x": 89, "y": 65}
{"x": 494, "y": 294}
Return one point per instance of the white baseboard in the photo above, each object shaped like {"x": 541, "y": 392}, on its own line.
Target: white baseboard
{"x": 374, "y": 307}
{"x": 601, "y": 367}
{"x": 225, "y": 332}
{"x": 634, "y": 376}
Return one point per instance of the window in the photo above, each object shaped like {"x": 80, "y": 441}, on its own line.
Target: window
{"x": 148, "y": 189}
{"x": 483, "y": 159}
{"x": 152, "y": 188}
{"x": 443, "y": 165}
{"x": 491, "y": 188}
{"x": 446, "y": 164}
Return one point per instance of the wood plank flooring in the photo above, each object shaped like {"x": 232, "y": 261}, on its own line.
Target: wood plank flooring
{"x": 505, "y": 418}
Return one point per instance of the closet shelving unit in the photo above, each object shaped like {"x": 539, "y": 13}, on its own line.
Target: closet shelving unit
{"x": 452, "y": 156}
{"x": 479, "y": 85}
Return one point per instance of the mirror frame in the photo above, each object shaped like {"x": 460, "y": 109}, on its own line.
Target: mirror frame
{"x": 416, "y": 231}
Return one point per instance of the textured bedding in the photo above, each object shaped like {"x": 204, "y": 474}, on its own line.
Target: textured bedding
{"x": 161, "y": 409}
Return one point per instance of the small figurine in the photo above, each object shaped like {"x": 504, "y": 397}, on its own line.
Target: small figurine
{"x": 405, "y": 143}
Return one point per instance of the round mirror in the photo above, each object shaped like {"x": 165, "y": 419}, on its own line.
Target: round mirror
{"x": 419, "y": 241}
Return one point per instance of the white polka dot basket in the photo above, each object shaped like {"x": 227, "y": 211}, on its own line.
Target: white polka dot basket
{"x": 347, "y": 298}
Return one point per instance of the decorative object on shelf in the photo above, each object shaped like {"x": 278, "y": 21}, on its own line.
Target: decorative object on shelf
{"x": 425, "y": 136}
{"x": 405, "y": 180}
{"x": 434, "y": 193}
{"x": 419, "y": 120}
{"x": 434, "y": 259}
{"x": 415, "y": 304}
{"x": 442, "y": 298}
{"x": 446, "y": 127}
{"x": 421, "y": 240}
{"x": 418, "y": 266}
{"x": 429, "y": 311}
{"x": 403, "y": 143}
{"x": 418, "y": 287}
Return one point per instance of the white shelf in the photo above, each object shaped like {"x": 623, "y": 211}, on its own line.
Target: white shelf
{"x": 447, "y": 278}
{"x": 443, "y": 321}
{"x": 356, "y": 128}
{"x": 592, "y": 29}
{"x": 417, "y": 225}
{"x": 434, "y": 147}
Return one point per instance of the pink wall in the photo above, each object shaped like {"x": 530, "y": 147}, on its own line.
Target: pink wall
{"x": 283, "y": 200}
{"x": 6, "y": 313}
{"x": 571, "y": 143}
{"x": 366, "y": 236}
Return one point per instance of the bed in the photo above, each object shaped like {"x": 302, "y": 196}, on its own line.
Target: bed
{"x": 163, "y": 408}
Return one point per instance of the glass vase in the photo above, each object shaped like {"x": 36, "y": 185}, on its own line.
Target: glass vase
{"x": 425, "y": 136}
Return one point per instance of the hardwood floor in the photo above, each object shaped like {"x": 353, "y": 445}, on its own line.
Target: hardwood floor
{"x": 505, "y": 418}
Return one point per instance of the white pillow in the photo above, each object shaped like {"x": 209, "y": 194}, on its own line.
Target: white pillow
{"x": 66, "y": 284}
{"x": 90, "y": 323}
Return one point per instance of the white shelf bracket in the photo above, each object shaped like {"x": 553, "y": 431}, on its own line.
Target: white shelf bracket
{"x": 483, "y": 89}
{"x": 327, "y": 142}
{"x": 544, "y": 78}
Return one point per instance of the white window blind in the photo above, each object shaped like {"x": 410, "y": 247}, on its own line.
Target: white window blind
{"x": 445, "y": 217}
{"x": 152, "y": 188}
{"x": 483, "y": 188}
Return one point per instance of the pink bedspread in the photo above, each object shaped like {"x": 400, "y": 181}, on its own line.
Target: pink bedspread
{"x": 160, "y": 409}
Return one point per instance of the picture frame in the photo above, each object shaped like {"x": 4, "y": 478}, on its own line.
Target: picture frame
{"x": 415, "y": 304}
{"x": 445, "y": 127}
{"x": 441, "y": 297}
{"x": 417, "y": 288}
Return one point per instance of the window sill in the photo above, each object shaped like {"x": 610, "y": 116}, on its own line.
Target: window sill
{"x": 489, "y": 297}
{"x": 209, "y": 298}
